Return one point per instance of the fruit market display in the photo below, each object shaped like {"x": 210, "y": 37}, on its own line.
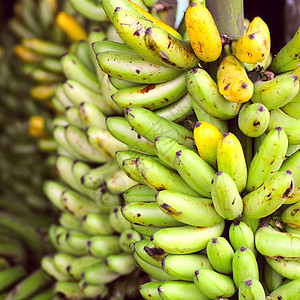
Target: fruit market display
{"x": 171, "y": 155}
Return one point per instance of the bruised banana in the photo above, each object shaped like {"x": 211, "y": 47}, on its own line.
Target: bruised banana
{"x": 232, "y": 80}
{"x": 134, "y": 68}
{"x": 220, "y": 254}
{"x": 226, "y": 198}
{"x": 187, "y": 209}
{"x": 151, "y": 96}
{"x": 253, "y": 119}
{"x": 202, "y": 31}
{"x": 268, "y": 159}
{"x": 204, "y": 91}
{"x": 276, "y": 92}
{"x": 207, "y": 136}
{"x": 269, "y": 196}
{"x": 171, "y": 51}
{"x": 185, "y": 239}
{"x": 231, "y": 159}
{"x": 273, "y": 243}
{"x": 254, "y": 46}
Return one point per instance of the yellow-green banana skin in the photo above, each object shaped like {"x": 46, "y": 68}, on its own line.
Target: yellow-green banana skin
{"x": 276, "y": 92}
{"x": 290, "y": 125}
{"x": 251, "y": 289}
{"x": 288, "y": 268}
{"x": 273, "y": 243}
{"x": 287, "y": 58}
{"x": 213, "y": 284}
{"x": 185, "y": 239}
{"x": 270, "y": 196}
{"x": 187, "y": 209}
{"x": 149, "y": 290}
{"x": 268, "y": 159}
{"x": 290, "y": 290}
{"x": 291, "y": 215}
{"x": 225, "y": 196}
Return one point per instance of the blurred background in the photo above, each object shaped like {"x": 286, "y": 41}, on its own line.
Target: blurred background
{"x": 282, "y": 17}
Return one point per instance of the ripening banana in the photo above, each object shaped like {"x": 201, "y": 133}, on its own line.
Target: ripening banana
{"x": 231, "y": 159}
{"x": 254, "y": 46}
{"x": 139, "y": 192}
{"x": 287, "y": 58}
{"x": 187, "y": 209}
{"x": 207, "y": 136}
{"x": 149, "y": 290}
{"x": 172, "y": 52}
{"x": 213, "y": 284}
{"x": 220, "y": 254}
{"x": 289, "y": 124}
{"x": 253, "y": 119}
{"x": 271, "y": 195}
{"x": 271, "y": 278}
{"x": 91, "y": 115}
{"x": 203, "y": 32}
{"x": 179, "y": 290}
{"x": 273, "y": 243}
{"x": 225, "y": 196}
{"x": 268, "y": 158}
{"x": 183, "y": 266}
{"x": 292, "y": 109}
{"x": 290, "y": 216}
{"x": 204, "y": 91}
{"x": 195, "y": 171}
{"x": 251, "y": 289}
{"x": 276, "y": 92}
{"x": 185, "y": 239}
{"x": 232, "y": 80}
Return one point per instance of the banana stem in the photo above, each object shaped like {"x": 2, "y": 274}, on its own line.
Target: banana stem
{"x": 228, "y": 16}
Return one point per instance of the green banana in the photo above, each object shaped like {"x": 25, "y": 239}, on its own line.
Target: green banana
{"x": 90, "y": 9}
{"x": 287, "y": 58}
{"x": 51, "y": 64}
{"x": 183, "y": 266}
{"x": 187, "y": 209}
{"x": 53, "y": 190}
{"x": 133, "y": 68}
{"x": 119, "y": 84}
{"x": 253, "y": 119}
{"x": 77, "y": 240}
{"x": 271, "y": 278}
{"x": 241, "y": 235}
{"x": 117, "y": 221}
{"x": 129, "y": 166}
{"x": 47, "y": 294}
{"x": 273, "y": 243}
{"x": 213, "y": 284}
{"x": 192, "y": 239}
{"x": 62, "y": 260}
{"x": 73, "y": 117}
{"x": 103, "y": 246}
{"x": 68, "y": 289}
{"x": 220, "y": 254}
{"x": 269, "y": 196}
{"x": 145, "y": 231}
{"x": 93, "y": 290}
{"x": 225, "y": 196}
{"x": 10, "y": 276}
{"x": 74, "y": 69}
{"x": 139, "y": 192}
{"x": 127, "y": 239}
{"x": 204, "y": 91}
{"x": 170, "y": 50}
{"x": 82, "y": 52}
{"x": 47, "y": 264}
{"x": 149, "y": 290}
{"x": 276, "y": 92}
{"x": 159, "y": 177}
{"x": 177, "y": 111}
{"x": 151, "y": 96}
{"x": 195, "y": 171}
{"x": 292, "y": 109}
{"x": 78, "y": 93}
{"x": 179, "y": 290}
{"x": 61, "y": 95}
{"x": 91, "y": 115}
{"x": 68, "y": 221}
{"x": 268, "y": 158}
{"x": 251, "y": 289}
{"x": 290, "y": 125}
{"x": 96, "y": 224}
{"x": 122, "y": 131}
{"x": 108, "y": 45}
{"x": 244, "y": 266}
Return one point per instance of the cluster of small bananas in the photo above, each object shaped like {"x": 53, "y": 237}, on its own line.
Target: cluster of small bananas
{"x": 176, "y": 153}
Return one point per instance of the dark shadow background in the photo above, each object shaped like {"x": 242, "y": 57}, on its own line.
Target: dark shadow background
{"x": 271, "y": 11}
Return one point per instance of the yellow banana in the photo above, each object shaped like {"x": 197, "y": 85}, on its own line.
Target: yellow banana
{"x": 254, "y": 46}
{"x": 232, "y": 80}
{"x": 27, "y": 55}
{"x": 202, "y": 31}
{"x": 207, "y": 136}
{"x": 71, "y": 27}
